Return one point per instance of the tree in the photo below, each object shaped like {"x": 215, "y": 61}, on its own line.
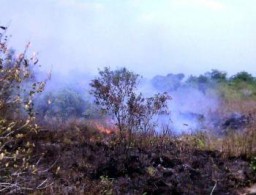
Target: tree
{"x": 114, "y": 92}
{"x": 243, "y": 76}
{"x": 168, "y": 83}
{"x": 217, "y": 75}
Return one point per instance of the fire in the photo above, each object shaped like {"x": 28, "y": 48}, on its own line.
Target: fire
{"x": 103, "y": 129}
{"x": 104, "y": 126}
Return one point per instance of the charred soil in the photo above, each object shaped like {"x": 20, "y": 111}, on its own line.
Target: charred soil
{"x": 86, "y": 162}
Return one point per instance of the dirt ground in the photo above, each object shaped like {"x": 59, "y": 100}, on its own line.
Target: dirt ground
{"x": 101, "y": 166}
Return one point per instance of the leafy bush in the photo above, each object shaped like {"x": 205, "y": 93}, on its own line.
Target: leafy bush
{"x": 62, "y": 104}
{"x": 18, "y": 88}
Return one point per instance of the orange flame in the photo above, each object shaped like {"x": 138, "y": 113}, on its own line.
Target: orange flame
{"x": 103, "y": 129}
{"x": 104, "y": 126}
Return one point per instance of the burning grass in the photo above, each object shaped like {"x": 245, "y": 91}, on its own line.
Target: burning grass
{"x": 90, "y": 157}
{"x": 81, "y": 159}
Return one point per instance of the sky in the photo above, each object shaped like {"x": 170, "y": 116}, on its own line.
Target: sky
{"x": 149, "y": 37}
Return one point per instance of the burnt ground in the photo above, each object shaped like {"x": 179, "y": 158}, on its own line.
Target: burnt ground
{"x": 93, "y": 163}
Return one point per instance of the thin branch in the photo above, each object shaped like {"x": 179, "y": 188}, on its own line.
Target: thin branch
{"x": 41, "y": 184}
{"x": 213, "y": 188}
{"x": 50, "y": 166}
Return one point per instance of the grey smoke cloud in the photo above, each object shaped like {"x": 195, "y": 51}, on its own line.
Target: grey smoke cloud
{"x": 149, "y": 37}
{"x": 190, "y": 108}
{"x": 76, "y": 37}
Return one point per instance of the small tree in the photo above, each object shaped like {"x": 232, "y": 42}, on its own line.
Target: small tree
{"x": 17, "y": 89}
{"x": 114, "y": 92}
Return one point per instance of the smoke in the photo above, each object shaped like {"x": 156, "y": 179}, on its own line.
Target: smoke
{"x": 190, "y": 108}
{"x": 77, "y": 37}
{"x": 161, "y": 36}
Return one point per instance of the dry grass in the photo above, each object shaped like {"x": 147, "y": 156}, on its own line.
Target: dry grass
{"x": 233, "y": 142}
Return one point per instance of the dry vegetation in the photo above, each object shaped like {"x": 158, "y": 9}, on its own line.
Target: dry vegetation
{"x": 89, "y": 157}
{"x": 81, "y": 160}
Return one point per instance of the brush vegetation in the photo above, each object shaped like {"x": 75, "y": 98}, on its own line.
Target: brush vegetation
{"x": 65, "y": 145}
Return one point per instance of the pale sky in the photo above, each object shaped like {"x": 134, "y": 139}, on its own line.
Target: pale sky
{"x": 147, "y": 36}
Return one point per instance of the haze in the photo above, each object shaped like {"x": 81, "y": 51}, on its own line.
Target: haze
{"x": 147, "y": 36}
